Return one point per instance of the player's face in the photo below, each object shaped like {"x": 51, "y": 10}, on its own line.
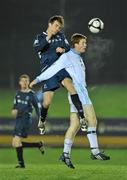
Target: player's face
{"x": 24, "y": 83}
{"x": 81, "y": 46}
{"x": 55, "y": 27}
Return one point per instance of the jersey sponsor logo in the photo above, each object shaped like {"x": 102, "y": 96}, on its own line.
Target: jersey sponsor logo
{"x": 19, "y": 100}
{"x": 56, "y": 40}
{"x": 22, "y": 102}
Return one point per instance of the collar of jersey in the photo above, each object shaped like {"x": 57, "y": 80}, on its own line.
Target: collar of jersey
{"x": 25, "y": 91}
{"x": 74, "y": 51}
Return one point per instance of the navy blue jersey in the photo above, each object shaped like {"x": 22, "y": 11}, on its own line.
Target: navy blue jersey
{"x": 24, "y": 103}
{"x": 46, "y": 50}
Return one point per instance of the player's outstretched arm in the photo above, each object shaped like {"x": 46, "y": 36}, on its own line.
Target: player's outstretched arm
{"x": 61, "y": 63}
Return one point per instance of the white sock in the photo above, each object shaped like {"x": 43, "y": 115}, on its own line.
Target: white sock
{"x": 67, "y": 145}
{"x": 92, "y": 137}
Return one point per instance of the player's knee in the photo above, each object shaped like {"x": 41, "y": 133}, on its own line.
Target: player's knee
{"x": 46, "y": 106}
{"x": 16, "y": 143}
{"x": 47, "y": 103}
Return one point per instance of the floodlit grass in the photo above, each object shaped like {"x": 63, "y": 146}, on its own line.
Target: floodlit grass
{"x": 48, "y": 167}
{"x": 108, "y": 101}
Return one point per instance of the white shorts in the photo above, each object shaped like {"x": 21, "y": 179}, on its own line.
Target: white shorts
{"x": 83, "y": 96}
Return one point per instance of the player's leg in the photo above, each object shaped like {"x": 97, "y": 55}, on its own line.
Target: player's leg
{"x": 91, "y": 133}
{"x": 68, "y": 84}
{"x": 69, "y": 138}
{"x": 16, "y": 143}
{"x": 47, "y": 99}
{"x": 39, "y": 145}
{"x": 48, "y": 92}
{"x": 71, "y": 132}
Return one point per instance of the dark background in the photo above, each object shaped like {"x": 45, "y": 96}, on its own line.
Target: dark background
{"x": 21, "y": 20}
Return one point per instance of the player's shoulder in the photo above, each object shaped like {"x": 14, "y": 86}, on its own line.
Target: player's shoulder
{"x": 60, "y": 34}
{"x": 31, "y": 92}
{"x": 68, "y": 53}
{"x": 65, "y": 55}
{"x": 18, "y": 92}
{"x": 40, "y": 35}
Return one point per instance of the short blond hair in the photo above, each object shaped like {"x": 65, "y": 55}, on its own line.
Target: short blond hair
{"x": 75, "y": 38}
{"x": 24, "y": 76}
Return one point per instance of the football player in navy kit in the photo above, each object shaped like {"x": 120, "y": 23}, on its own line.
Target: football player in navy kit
{"x": 49, "y": 46}
{"x": 24, "y": 101}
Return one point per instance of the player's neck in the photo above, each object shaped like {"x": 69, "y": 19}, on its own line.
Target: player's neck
{"x": 75, "y": 51}
{"x": 25, "y": 89}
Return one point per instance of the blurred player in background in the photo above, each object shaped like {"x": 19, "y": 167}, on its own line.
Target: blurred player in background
{"x": 22, "y": 110}
{"x": 74, "y": 65}
{"x": 49, "y": 46}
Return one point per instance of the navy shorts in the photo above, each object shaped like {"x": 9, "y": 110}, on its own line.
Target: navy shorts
{"x": 21, "y": 129}
{"x": 54, "y": 82}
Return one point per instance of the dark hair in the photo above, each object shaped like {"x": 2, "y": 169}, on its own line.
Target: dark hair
{"x": 24, "y": 76}
{"x": 58, "y": 18}
{"x": 75, "y": 38}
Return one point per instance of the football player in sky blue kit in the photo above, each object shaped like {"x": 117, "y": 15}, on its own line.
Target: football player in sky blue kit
{"x": 75, "y": 66}
{"x": 24, "y": 102}
{"x": 49, "y": 46}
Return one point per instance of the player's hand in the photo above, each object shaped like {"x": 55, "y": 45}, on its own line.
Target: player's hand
{"x": 49, "y": 35}
{"x": 84, "y": 124}
{"x": 60, "y": 50}
{"x": 14, "y": 112}
{"x": 32, "y": 84}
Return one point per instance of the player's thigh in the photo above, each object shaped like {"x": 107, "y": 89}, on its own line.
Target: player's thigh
{"x": 17, "y": 141}
{"x": 90, "y": 115}
{"x": 68, "y": 84}
{"x": 47, "y": 97}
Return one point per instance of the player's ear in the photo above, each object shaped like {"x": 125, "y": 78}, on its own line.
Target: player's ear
{"x": 49, "y": 24}
{"x": 75, "y": 45}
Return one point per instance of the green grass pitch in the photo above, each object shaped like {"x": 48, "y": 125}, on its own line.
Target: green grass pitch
{"x": 108, "y": 101}
{"x": 48, "y": 167}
